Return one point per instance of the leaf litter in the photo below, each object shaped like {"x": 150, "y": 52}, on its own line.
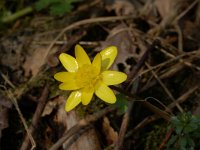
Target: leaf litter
{"x": 169, "y": 73}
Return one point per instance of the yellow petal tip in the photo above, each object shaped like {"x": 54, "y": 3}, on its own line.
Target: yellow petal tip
{"x": 112, "y": 101}
{"x": 61, "y": 56}
{"x": 68, "y": 62}
{"x": 108, "y": 56}
{"x": 73, "y": 100}
{"x": 78, "y": 46}
{"x": 81, "y": 56}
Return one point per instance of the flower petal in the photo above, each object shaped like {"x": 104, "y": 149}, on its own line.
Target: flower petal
{"x": 108, "y": 56}
{"x": 68, "y": 62}
{"x": 87, "y": 94}
{"x": 70, "y": 85}
{"x": 105, "y": 93}
{"x": 81, "y": 56}
{"x": 97, "y": 63}
{"x": 73, "y": 100}
{"x": 113, "y": 77}
{"x": 64, "y": 76}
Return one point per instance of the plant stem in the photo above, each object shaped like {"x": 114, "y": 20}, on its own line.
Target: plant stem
{"x": 17, "y": 15}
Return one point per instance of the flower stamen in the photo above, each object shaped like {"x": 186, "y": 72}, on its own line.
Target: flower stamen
{"x": 87, "y": 76}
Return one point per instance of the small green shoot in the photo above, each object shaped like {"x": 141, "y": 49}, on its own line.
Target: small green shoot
{"x": 187, "y": 130}
{"x": 121, "y": 104}
{"x": 55, "y": 7}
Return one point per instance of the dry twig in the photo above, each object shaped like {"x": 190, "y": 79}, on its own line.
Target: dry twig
{"x": 36, "y": 117}
{"x": 84, "y": 22}
{"x": 165, "y": 88}
{"x": 152, "y": 118}
{"x": 14, "y": 101}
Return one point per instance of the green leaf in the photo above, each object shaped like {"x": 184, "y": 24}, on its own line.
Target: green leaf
{"x": 191, "y": 143}
{"x": 55, "y": 7}
{"x": 121, "y": 104}
{"x": 41, "y": 4}
{"x": 187, "y": 127}
{"x": 190, "y": 128}
{"x": 196, "y": 133}
{"x": 179, "y": 129}
{"x": 183, "y": 142}
{"x": 171, "y": 141}
{"x": 60, "y": 9}
{"x": 176, "y": 121}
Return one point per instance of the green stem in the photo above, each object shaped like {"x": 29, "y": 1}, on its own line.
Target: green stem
{"x": 17, "y": 15}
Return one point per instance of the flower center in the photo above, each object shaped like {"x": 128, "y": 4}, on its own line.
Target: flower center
{"x": 87, "y": 76}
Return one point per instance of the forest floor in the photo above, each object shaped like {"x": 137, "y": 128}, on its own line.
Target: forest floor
{"x": 158, "y": 106}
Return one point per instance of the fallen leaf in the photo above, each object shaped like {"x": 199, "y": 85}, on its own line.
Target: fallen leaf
{"x": 121, "y": 7}
{"x": 110, "y": 134}
{"x": 87, "y": 141}
{"x": 129, "y": 47}
{"x": 51, "y": 105}
{"x": 66, "y": 121}
{"x": 164, "y": 7}
{"x": 36, "y": 60}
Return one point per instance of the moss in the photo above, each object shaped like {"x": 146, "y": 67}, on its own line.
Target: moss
{"x": 155, "y": 137}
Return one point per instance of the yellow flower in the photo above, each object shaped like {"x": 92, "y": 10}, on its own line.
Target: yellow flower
{"x": 86, "y": 78}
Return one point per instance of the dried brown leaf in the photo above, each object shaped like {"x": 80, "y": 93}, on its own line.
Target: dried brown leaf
{"x": 52, "y": 104}
{"x": 110, "y": 134}
{"x": 164, "y": 7}
{"x": 36, "y": 60}
{"x": 121, "y": 7}
{"x": 88, "y": 140}
{"x": 127, "y": 45}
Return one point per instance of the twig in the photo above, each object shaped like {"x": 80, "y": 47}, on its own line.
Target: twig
{"x": 13, "y": 99}
{"x": 123, "y": 127}
{"x": 132, "y": 74}
{"x": 167, "y": 136}
{"x": 173, "y": 17}
{"x": 167, "y": 20}
{"x": 168, "y": 62}
{"x": 180, "y": 60}
{"x": 164, "y": 87}
{"x": 81, "y": 124}
{"x": 7, "y": 80}
{"x": 141, "y": 62}
{"x": 142, "y": 124}
{"x": 146, "y": 104}
{"x": 186, "y": 11}
{"x": 152, "y": 118}
{"x": 180, "y": 38}
{"x": 36, "y": 117}
{"x": 176, "y": 68}
{"x": 156, "y": 110}
{"x": 84, "y": 22}
{"x": 183, "y": 97}
{"x": 74, "y": 138}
